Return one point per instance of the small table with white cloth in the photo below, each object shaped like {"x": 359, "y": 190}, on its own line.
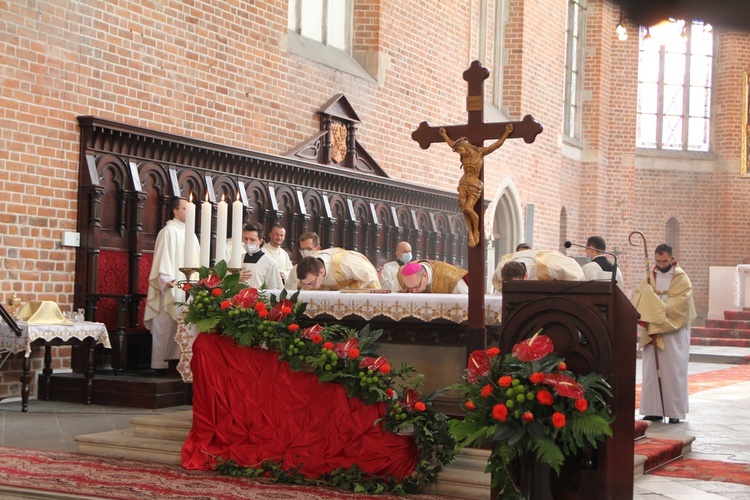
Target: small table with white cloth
{"x": 85, "y": 332}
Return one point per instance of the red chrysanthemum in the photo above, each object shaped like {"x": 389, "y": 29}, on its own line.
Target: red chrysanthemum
{"x": 263, "y": 313}
{"x": 545, "y": 397}
{"x": 500, "y": 412}
{"x": 186, "y": 287}
{"x": 493, "y": 351}
{"x": 486, "y": 391}
{"x": 211, "y": 281}
{"x": 353, "y": 353}
{"x": 582, "y": 404}
{"x": 293, "y": 327}
{"x": 385, "y": 369}
{"x": 536, "y": 377}
{"x": 420, "y": 406}
{"x": 534, "y": 348}
{"x": 247, "y": 298}
{"x": 260, "y": 306}
{"x": 389, "y": 392}
{"x": 558, "y": 420}
{"x": 225, "y": 304}
{"x": 478, "y": 366}
{"x": 528, "y": 416}
{"x": 216, "y": 292}
{"x": 505, "y": 381}
{"x": 562, "y": 366}
{"x": 564, "y": 385}
{"x": 469, "y": 405}
{"x": 317, "y": 338}
{"x": 328, "y": 345}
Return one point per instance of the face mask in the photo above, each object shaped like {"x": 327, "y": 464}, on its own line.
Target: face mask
{"x": 251, "y": 248}
{"x": 588, "y": 259}
{"x": 305, "y": 253}
{"x": 406, "y": 258}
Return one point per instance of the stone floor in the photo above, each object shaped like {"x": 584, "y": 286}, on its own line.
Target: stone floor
{"x": 717, "y": 420}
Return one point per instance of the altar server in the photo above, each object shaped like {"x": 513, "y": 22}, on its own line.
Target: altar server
{"x": 431, "y": 276}
{"x": 390, "y": 269}
{"x": 258, "y": 269}
{"x": 273, "y": 249}
{"x": 337, "y": 269}
{"x": 161, "y": 313}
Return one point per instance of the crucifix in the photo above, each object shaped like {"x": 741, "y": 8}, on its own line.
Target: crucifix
{"x": 468, "y": 141}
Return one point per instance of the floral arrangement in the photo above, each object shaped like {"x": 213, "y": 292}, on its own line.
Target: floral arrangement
{"x": 529, "y": 403}
{"x": 219, "y": 302}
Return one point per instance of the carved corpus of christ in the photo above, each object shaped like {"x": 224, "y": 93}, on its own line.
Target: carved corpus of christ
{"x": 470, "y": 186}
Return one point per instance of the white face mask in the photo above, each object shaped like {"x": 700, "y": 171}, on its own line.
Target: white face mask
{"x": 305, "y": 253}
{"x": 251, "y": 248}
{"x": 406, "y": 257}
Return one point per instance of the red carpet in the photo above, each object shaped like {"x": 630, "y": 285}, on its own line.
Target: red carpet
{"x": 117, "y": 478}
{"x": 707, "y": 470}
{"x": 658, "y": 451}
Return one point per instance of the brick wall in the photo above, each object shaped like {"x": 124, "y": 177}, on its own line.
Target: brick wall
{"x": 221, "y": 72}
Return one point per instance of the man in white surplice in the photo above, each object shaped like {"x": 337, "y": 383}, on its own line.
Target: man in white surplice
{"x": 161, "y": 313}
{"x": 258, "y": 269}
{"x": 273, "y": 249}
{"x": 666, "y": 304}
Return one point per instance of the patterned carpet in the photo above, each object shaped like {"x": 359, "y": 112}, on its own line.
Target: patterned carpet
{"x": 116, "y": 478}
{"x": 707, "y": 470}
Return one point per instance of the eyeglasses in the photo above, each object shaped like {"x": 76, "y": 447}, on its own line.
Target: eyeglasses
{"x": 312, "y": 283}
{"x": 413, "y": 289}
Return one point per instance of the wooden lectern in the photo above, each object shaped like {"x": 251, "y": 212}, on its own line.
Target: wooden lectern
{"x": 593, "y": 325}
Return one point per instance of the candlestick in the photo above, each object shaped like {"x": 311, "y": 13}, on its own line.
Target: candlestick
{"x": 206, "y": 233}
{"x": 189, "y": 258}
{"x": 221, "y": 230}
{"x": 236, "y": 260}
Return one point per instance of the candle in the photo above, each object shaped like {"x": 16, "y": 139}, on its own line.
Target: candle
{"x": 236, "y": 260}
{"x": 206, "y": 233}
{"x": 221, "y": 230}
{"x": 188, "y": 258}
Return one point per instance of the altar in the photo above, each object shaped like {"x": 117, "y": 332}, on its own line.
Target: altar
{"x": 21, "y": 337}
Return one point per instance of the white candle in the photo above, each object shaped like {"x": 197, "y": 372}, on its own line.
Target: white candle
{"x": 236, "y": 260}
{"x": 188, "y": 258}
{"x": 206, "y": 233}
{"x": 221, "y": 230}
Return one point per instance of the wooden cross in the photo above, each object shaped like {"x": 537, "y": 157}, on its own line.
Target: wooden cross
{"x": 477, "y": 131}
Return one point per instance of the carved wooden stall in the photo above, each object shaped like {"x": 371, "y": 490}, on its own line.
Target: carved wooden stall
{"x": 593, "y": 325}
{"x": 129, "y": 176}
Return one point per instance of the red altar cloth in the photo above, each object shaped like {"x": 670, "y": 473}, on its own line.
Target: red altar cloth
{"x": 249, "y": 407}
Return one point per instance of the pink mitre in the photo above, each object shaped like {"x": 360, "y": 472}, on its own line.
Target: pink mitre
{"x": 411, "y": 269}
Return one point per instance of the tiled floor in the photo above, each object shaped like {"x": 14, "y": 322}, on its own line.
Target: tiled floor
{"x": 718, "y": 420}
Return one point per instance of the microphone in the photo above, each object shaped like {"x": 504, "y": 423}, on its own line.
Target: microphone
{"x": 569, "y": 244}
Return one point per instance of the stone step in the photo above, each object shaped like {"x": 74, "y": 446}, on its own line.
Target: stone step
{"x": 124, "y": 443}
{"x": 170, "y": 426}
{"x": 640, "y": 460}
{"x": 719, "y": 333}
{"x": 723, "y": 342}
{"x": 728, "y": 324}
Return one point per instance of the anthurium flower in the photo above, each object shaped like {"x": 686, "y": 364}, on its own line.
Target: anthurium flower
{"x": 247, "y": 298}
{"x": 342, "y": 348}
{"x": 277, "y": 312}
{"x": 211, "y": 281}
{"x": 410, "y": 399}
{"x": 534, "y": 348}
{"x": 310, "y": 331}
{"x": 373, "y": 363}
{"x": 564, "y": 385}
{"x": 478, "y": 366}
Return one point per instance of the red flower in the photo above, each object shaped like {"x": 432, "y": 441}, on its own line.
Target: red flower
{"x": 493, "y": 351}
{"x": 558, "y": 419}
{"x": 564, "y": 385}
{"x": 478, "y": 366}
{"x": 293, "y": 327}
{"x": 486, "y": 391}
{"x": 505, "y": 381}
{"x": 528, "y": 416}
{"x": 562, "y": 366}
{"x": 216, "y": 292}
{"x": 342, "y": 349}
{"x": 277, "y": 312}
{"x": 353, "y": 353}
{"x": 312, "y": 330}
{"x": 545, "y": 397}
{"x": 260, "y": 306}
{"x": 386, "y": 369}
{"x": 389, "y": 392}
{"x": 534, "y": 348}
{"x": 469, "y": 405}
{"x": 500, "y": 412}
{"x": 582, "y": 404}
{"x": 318, "y": 338}
{"x": 211, "y": 282}
{"x": 372, "y": 363}
{"x": 263, "y": 313}
{"x": 225, "y": 304}
{"x": 186, "y": 287}
{"x": 411, "y": 397}
{"x": 419, "y": 406}
{"x": 328, "y": 345}
{"x": 536, "y": 377}
{"x": 247, "y": 298}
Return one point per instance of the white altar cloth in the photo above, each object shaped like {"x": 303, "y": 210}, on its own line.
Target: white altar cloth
{"x": 9, "y": 341}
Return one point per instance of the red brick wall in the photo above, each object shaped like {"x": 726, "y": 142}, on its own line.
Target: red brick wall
{"x": 221, "y": 72}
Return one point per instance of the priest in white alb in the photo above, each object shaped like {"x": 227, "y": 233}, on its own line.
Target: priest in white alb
{"x": 258, "y": 269}
{"x": 273, "y": 249}
{"x": 161, "y": 313}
